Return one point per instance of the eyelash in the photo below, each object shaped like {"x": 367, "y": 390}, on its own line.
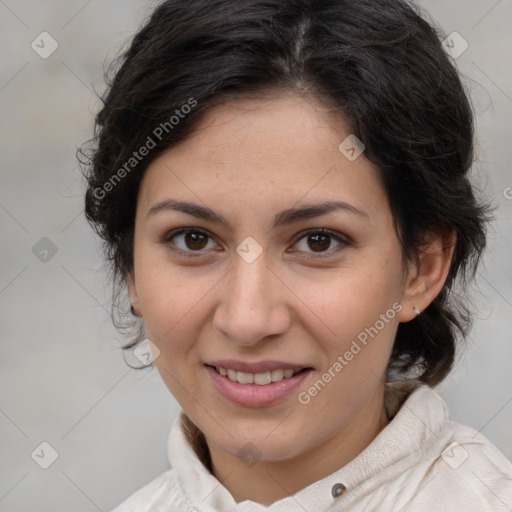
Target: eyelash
{"x": 342, "y": 240}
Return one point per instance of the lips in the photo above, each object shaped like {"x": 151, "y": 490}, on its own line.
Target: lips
{"x": 256, "y": 384}
{"x": 258, "y": 379}
{"x": 259, "y": 367}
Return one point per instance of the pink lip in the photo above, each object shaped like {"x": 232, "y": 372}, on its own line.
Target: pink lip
{"x": 252, "y": 395}
{"x": 260, "y": 367}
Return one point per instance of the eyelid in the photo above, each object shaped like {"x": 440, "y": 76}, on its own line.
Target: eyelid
{"x": 343, "y": 240}
{"x": 180, "y": 231}
{"x": 340, "y": 236}
{"x": 168, "y": 236}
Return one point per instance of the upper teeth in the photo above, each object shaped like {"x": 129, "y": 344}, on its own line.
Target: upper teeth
{"x": 261, "y": 379}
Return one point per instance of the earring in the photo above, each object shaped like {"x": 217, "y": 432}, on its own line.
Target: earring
{"x": 418, "y": 312}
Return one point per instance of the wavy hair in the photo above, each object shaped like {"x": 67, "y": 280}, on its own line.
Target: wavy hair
{"x": 377, "y": 63}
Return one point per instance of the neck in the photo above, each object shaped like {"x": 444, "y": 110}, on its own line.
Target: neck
{"x": 270, "y": 481}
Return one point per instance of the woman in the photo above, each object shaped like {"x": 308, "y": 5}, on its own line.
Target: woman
{"x": 282, "y": 188}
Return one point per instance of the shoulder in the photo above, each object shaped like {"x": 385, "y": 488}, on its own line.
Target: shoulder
{"x": 473, "y": 466}
{"x": 156, "y": 496}
{"x": 468, "y": 472}
{"x": 450, "y": 466}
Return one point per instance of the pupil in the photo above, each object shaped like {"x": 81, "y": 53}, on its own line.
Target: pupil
{"x": 195, "y": 240}
{"x": 319, "y": 242}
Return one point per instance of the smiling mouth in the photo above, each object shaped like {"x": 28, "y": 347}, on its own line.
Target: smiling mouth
{"x": 257, "y": 379}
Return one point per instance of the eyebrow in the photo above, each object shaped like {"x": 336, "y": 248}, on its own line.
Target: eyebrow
{"x": 283, "y": 218}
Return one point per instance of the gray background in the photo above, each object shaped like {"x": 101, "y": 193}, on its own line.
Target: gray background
{"x": 63, "y": 379}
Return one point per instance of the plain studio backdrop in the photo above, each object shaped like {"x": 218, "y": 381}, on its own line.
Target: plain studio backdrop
{"x": 63, "y": 378}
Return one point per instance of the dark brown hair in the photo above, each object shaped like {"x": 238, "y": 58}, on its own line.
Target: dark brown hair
{"x": 378, "y": 63}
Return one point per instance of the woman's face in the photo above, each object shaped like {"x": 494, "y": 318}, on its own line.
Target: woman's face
{"x": 262, "y": 248}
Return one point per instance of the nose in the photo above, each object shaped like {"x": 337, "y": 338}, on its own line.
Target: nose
{"x": 252, "y": 307}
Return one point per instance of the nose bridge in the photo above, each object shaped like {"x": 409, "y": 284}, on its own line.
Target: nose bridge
{"x": 251, "y": 288}
{"x": 250, "y": 308}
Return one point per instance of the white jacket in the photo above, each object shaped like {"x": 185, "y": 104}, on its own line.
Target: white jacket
{"x": 421, "y": 462}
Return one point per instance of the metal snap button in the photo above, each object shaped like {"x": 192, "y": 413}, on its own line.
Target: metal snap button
{"x": 337, "y": 490}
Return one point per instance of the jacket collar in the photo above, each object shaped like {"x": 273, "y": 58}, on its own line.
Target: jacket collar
{"x": 418, "y": 413}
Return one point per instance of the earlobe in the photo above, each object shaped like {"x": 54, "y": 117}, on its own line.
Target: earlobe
{"x": 132, "y": 292}
{"x": 428, "y": 274}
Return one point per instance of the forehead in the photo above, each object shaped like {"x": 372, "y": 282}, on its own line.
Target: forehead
{"x": 285, "y": 126}
{"x": 282, "y": 148}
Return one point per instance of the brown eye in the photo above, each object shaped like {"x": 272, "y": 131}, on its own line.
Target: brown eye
{"x": 196, "y": 240}
{"x": 189, "y": 240}
{"x": 320, "y": 241}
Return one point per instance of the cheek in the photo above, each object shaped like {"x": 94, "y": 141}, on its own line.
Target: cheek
{"x": 168, "y": 294}
{"x": 174, "y": 306}
{"x": 348, "y": 301}
{"x": 355, "y": 317}
{"x": 175, "y": 309}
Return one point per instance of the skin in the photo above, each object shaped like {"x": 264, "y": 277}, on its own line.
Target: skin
{"x": 298, "y": 301}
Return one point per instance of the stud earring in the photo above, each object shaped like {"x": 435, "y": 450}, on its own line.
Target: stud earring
{"x": 418, "y": 312}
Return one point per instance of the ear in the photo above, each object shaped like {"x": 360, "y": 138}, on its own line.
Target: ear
{"x": 132, "y": 292}
{"x": 427, "y": 275}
